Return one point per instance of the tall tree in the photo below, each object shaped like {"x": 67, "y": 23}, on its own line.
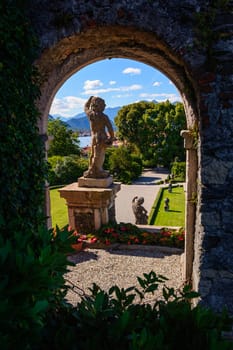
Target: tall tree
{"x": 134, "y": 124}
{"x": 65, "y": 142}
{"x": 154, "y": 128}
{"x": 168, "y": 144}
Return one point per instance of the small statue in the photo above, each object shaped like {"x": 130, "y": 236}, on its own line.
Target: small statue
{"x": 166, "y": 204}
{"x": 170, "y": 187}
{"x": 99, "y": 121}
{"x": 139, "y": 211}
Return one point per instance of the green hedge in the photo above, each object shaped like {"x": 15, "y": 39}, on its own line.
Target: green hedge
{"x": 155, "y": 207}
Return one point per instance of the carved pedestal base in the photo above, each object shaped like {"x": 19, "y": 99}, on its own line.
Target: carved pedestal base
{"x": 89, "y": 208}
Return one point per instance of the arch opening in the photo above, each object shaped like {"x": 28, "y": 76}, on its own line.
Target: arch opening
{"x": 72, "y": 54}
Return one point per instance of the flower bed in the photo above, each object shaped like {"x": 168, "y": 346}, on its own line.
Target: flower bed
{"x": 130, "y": 234}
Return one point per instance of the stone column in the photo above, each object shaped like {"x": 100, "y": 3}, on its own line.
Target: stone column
{"x": 191, "y": 197}
{"x": 47, "y": 210}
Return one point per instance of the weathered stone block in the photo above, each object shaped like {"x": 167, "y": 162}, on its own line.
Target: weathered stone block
{"x": 98, "y": 183}
{"x": 89, "y": 208}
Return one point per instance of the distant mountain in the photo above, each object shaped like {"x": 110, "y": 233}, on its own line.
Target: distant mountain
{"x": 59, "y": 116}
{"x": 81, "y": 123}
{"x": 78, "y": 116}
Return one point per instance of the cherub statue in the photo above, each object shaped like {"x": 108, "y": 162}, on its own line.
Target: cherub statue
{"x": 99, "y": 121}
{"x": 139, "y": 211}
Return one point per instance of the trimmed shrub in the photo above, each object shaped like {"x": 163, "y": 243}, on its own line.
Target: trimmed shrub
{"x": 65, "y": 170}
{"x": 155, "y": 207}
{"x": 178, "y": 171}
{"x": 122, "y": 164}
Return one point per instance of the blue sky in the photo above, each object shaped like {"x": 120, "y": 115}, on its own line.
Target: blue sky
{"x": 118, "y": 81}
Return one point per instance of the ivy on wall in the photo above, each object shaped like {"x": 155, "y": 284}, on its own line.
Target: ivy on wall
{"x": 32, "y": 260}
{"x": 22, "y": 160}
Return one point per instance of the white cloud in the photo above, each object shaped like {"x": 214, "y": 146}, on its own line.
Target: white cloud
{"x": 133, "y": 87}
{"x": 157, "y": 83}
{"x": 67, "y": 106}
{"x": 92, "y": 84}
{"x": 132, "y": 71}
{"x": 170, "y": 82}
{"x": 161, "y": 97}
{"x": 122, "y": 95}
{"x": 112, "y": 82}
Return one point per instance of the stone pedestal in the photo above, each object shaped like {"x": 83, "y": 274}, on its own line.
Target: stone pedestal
{"x": 90, "y": 207}
{"x": 92, "y": 183}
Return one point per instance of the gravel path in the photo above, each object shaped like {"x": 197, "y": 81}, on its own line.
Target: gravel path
{"x": 121, "y": 267}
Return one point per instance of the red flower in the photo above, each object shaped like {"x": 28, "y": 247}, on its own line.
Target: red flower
{"x": 107, "y": 242}
{"x": 109, "y": 230}
{"x": 166, "y": 233}
{"x": 115, "y": 235}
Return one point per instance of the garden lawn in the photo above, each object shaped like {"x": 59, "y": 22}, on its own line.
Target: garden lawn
{"x": 176, "y": 214}
{"x": 59, "y": 211}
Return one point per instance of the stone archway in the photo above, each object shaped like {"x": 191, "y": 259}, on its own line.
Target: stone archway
{"x": 191, "y": 43}
{"x": 133, "y": 44}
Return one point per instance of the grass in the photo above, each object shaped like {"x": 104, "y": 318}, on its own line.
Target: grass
{"x": 176, "y": 214}
{"x": 59, "y": 212}
{"x": 174, "y": 217}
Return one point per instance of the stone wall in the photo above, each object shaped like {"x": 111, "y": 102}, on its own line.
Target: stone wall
{"x": 191, "y": 42}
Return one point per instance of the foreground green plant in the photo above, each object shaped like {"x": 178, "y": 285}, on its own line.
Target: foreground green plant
{"x": 114, "y": 320}
{"x": 32, "y": 268}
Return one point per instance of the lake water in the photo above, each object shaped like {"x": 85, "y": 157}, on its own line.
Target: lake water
{"x": 84, "y": 141}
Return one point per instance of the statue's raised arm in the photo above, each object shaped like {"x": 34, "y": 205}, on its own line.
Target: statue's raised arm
{"x": 87, "y": 106}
